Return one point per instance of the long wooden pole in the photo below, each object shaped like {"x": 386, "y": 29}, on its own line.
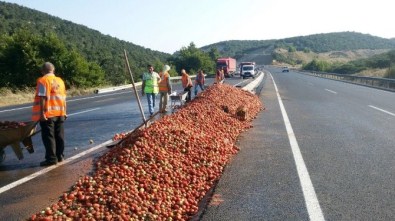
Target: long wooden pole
{"x": 134, "y": 88}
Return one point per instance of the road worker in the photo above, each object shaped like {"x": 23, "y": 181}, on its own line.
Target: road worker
{"x": 186, "y": 83}
{"x": 164, "y": 88}
{"x": 199, "y": 81}
{"x": 219, "y": 77}
{"x": 49, "y": 108}
{"x": 150, "y": 87}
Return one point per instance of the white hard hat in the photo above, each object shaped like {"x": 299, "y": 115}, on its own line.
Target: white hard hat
{"x": 166, "y": 68}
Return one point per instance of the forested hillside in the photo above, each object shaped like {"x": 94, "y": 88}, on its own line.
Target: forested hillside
{"x": 337, "y": 41}
{"x": 85, "y": 57}
{"x": 317, "y": 43}
{"x": 237, "y": 48}
{"x": 342, "y": 52}
{"x": 98, "y": 55}
{"x": 384, "y": 62}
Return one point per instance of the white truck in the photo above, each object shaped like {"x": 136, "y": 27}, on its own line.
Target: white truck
{"x": 247, "y": 69}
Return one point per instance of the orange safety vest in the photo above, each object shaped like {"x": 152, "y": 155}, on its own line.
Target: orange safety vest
{"x": 55, "y": 97}
{"x": 186, "y": 81}
{"x": 163, "y": 84}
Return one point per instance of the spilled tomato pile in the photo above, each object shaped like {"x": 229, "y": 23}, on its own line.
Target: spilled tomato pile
{"x": 119, "y": 136}
{"x": 11, "y": 124}
{"x": 162, "y": 172}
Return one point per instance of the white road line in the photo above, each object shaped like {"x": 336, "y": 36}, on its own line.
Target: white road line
{"x": 240, "y": 83}
{"x": 20, "y": 108}
{"x": 43, "y": 171}
{"x": 387, "y": 112}
{"x": 81, "y": 112}
{"x": 104, "y": 95}
{"x": 312, "y": 204}
{"x": 68, "y": 100}
{"x": 333, "y": 92}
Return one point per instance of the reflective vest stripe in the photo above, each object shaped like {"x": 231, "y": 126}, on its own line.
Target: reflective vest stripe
{"x": 57, "y": 97}
{"x": 56, "y": 108}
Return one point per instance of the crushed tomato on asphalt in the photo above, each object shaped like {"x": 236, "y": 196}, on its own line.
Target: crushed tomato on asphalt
{"x": 163, "y": 171}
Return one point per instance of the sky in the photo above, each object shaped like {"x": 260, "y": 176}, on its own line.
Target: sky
{"x": 169, "y": 25}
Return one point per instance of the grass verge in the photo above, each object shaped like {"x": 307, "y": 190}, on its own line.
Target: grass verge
{"x": 26, "y": 95}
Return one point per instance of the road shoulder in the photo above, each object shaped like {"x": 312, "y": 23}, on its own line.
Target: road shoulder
{"x": 261, "y": 181}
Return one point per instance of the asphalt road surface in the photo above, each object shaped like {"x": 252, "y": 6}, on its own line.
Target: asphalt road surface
{"x": 332, "y": 157}
{"x": 336, "y": 163}
{"x": 26, "y": 188}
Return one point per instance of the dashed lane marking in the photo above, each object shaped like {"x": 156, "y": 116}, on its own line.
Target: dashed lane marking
{"x": 333, "y": 92}
{"x": 68, "y": 100}
{"x": 81, "y": 112}
{"x": 382, "y": 110}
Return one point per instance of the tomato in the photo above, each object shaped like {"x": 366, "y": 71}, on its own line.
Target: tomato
{"x": 162, "y": 172}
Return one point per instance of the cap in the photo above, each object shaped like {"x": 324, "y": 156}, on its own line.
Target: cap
{"x": 166, "y": 68}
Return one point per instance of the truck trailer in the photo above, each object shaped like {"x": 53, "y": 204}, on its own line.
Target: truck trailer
{"x": 228, "y": 65}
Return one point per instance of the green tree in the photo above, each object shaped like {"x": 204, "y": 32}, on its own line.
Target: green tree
{"x": 78, "y": 72}
{"x": 317, "y": 65}
{"x": 104, "y": 50}
{"x": 19, "y": 60}
{"x": 348, "y": 68}
{"x": 23, "y": 53}
{"x": 193, "y": 59}
{"x": 391, "y": 64}
{"x": 214, "y": 54}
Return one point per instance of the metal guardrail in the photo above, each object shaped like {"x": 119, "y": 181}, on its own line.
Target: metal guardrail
{"x": 250, "y": 87}
{"x": 381, "y": 83}
{"x": 127, "y": 86}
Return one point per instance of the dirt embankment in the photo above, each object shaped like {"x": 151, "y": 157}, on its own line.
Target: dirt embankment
{"x": 337, "y": 57}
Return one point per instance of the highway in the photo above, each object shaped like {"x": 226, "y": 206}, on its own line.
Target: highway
{"x": 344, "y": 132}
{"x": 341, "y": 134}
{"x": 346, "y": 136}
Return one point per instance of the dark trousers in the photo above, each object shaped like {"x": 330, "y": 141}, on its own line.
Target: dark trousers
{"x": 188, "y": 89}
{"x": 52, "y": 134}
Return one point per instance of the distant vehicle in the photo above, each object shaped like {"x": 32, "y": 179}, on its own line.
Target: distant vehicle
{"x": 285, "y": 69}
{"x": 228, "y": 65}
{"x": 247, "y": 69}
